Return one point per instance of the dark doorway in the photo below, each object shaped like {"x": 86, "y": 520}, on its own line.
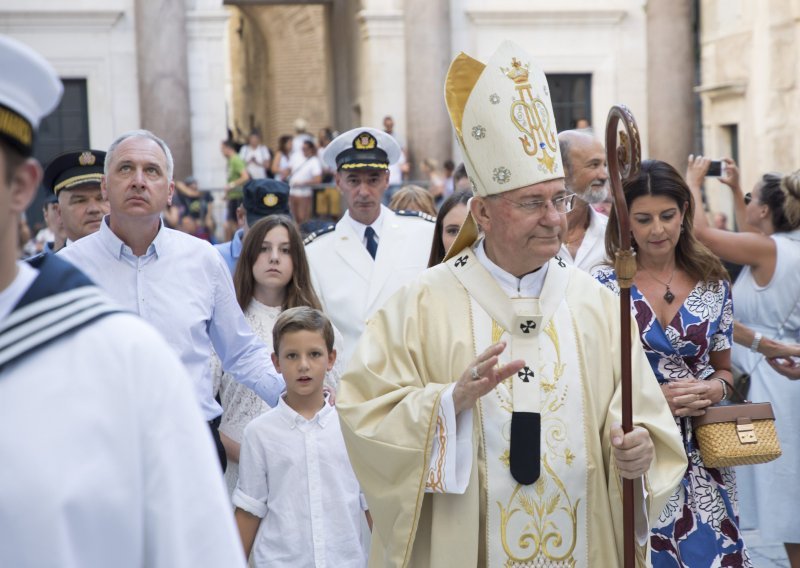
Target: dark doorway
{"x": 67, "y": 128}
{"x": 571, "y": 95}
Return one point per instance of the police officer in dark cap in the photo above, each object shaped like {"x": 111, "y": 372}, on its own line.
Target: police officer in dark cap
{"x": 52, "y": 220}
{"x": 75, "y": 179}
{"x": 262, "y": 197}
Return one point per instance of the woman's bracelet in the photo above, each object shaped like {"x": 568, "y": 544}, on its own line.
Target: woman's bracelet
{"x": 756, "y": 342}
{"x": 724, "y": 387}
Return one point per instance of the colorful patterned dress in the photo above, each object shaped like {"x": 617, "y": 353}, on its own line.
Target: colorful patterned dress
{"x": 699, "y": 527}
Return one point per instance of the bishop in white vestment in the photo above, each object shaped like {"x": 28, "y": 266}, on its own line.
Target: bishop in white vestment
{"x": 502, "y": 330}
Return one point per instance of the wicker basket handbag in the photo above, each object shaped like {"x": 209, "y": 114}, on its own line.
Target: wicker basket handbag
{"x": 737, "y": 434}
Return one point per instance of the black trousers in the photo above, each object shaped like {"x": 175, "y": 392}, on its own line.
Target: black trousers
{"x": 214, "y": 426}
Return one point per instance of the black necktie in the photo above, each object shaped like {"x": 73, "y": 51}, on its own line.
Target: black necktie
{"x": 372, "y": 244}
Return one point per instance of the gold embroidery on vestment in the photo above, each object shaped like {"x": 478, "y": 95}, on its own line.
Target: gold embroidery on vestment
{"x": 542, "y": 502}
{"x": 436, "y": 477}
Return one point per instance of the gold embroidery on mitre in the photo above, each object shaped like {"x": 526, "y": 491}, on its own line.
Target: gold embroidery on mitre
{"x": 87, "y": 159}
{"x": 270, "y": 200}
{"x": 549, "y": 528}
{"x": 530, "y": 115}
{"x": 365, "y": 141}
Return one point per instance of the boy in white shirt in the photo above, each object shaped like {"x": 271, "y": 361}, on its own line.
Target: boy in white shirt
{"x": 298, "y": 502}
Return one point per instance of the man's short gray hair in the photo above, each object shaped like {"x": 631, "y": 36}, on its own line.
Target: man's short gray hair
{"x": 139, "y": 134}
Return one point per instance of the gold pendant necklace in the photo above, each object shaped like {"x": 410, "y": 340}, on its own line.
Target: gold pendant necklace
{"x": 668, "y": 295}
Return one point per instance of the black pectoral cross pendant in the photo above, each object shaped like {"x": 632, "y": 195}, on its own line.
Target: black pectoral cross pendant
{"x": 668, "y": 296}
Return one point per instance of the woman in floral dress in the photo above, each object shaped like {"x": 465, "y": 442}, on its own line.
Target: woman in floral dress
{"x": 682, "y": 303}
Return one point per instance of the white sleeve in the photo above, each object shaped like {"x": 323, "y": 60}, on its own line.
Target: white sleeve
{"x": 641, "y": 522}
{"x": 450, "y": 461}
{"x": 187, "y": 518}
{"x": 252, "y": 490}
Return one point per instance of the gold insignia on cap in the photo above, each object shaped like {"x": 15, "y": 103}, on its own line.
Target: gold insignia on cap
{"x": 270, "y": 200}
{"x": 87, "y": 159}
{"x": 365, "y": 141}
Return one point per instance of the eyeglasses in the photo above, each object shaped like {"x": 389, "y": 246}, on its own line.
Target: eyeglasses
{"x": 561, "y": 204}
{"x": 748, "y": 197}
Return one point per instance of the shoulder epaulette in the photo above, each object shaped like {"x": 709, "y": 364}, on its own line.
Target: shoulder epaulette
{"x": 419, "y": 214}
{"x": 316, "y": 234}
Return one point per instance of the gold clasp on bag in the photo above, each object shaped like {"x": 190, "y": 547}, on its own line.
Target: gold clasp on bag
{"x": 746, "y": 431}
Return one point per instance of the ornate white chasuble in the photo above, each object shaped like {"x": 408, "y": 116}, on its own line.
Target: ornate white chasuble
{"x": 543, "y": 524}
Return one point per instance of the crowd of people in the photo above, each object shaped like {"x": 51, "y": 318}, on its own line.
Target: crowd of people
{"x": 435, "y": 382}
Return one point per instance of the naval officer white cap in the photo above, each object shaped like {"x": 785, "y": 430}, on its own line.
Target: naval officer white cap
{"x": 29, "y": 90}
{"x": 361, "y": 149}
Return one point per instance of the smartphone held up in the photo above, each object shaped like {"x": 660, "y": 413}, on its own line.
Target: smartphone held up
{"x": 716, "y": 169}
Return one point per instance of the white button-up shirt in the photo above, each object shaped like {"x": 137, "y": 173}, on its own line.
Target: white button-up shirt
{"x": 360, "y": 228}
{"x": 295, "y": 475}
{"x": 183, "y": 287}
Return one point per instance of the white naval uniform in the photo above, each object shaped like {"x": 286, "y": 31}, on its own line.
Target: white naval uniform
{"x": 350, "y": 284}
{"x": 592, "y": 252}
{"x": 106, "y": 458}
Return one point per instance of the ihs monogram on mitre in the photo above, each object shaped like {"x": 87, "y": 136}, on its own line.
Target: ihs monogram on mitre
{"x": 531, "y": 117}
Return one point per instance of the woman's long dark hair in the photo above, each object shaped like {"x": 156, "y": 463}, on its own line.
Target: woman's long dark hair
{"x": 299, "y": 291}
{"x": 437, "y": 248}
{"x": 658, "y": 178}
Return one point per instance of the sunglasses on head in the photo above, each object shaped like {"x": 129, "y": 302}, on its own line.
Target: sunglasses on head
{"x": 748, "y": 197}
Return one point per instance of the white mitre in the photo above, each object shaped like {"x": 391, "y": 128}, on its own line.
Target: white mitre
{"x": 504, "y": 122}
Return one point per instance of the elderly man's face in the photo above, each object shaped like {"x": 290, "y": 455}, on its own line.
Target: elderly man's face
{"x": 517, "y": 239}
{"x": 589, "y": 179}
{"x": 137, "y": 184}
{"x": 82, "y": 210}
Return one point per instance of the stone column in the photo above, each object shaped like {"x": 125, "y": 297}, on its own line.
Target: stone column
{"x": 670, "y": 81}
{"x": 383, "y": 79}
{"x": 208, "y": 53}
{"x": 342, "y": 42}
{"x": 163, "y": 76}
{"x": 428, "y": 129}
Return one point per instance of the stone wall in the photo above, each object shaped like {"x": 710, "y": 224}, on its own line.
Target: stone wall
{"x": 750, "y": 73}
{"x": 280, "y": 70}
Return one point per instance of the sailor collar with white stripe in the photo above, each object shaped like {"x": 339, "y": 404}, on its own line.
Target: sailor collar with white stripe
{"x": 59, "y": 301}
{"x": 9, "y": 297}
{"x": 529, "y": 286}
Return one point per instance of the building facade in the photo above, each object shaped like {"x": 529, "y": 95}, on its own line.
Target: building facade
{"x": 718, "y": 76}
{"x": 750, "y": 88}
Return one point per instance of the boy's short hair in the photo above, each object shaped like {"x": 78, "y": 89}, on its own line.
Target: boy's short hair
{"x": 302, "y": 318}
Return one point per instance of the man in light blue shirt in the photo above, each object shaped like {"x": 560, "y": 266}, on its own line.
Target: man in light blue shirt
{"x": 175, "y": 281}
{"x": 262, "y": 197}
